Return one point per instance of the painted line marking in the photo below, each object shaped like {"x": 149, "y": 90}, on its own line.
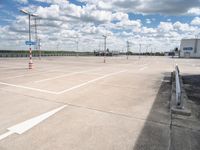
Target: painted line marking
{"x": 13, "y": 77}
{"x": 65, "y": 75}
{"x": 144, "y": 65}
{"x": 43, "y": 72}
{"x": 3, "y": 136}
{"x": 90, "y": 81}
{"x": 28, "y": 124}
{"x": 143, "y": 68}
{"x": 67, "y": 90}
{"x": 29, "y": 88}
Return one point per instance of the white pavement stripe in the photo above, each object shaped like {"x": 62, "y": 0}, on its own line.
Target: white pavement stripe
{"x": 142, "y": 68}
{"x": 90, "y": 81}
{"x": 67, "y": 90}
{"x": 65, "y": 75}
{"x": 29, "y": 88}
{"x": 28, "y": 124}
{"x": 3, "y": 136}
{"x": 13, "y": 77}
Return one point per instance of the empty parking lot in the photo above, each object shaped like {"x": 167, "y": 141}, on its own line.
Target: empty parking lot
{"x": 83, "y": 103}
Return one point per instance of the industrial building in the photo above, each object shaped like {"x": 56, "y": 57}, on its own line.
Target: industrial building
{"x": 190, "y": 48}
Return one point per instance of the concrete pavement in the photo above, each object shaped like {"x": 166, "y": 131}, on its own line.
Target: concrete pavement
{"x": 122, "y": 104}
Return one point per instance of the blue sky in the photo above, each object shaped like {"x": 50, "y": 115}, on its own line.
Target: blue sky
{"x": 11, "y": 9}
{"x": 137, "y": 20}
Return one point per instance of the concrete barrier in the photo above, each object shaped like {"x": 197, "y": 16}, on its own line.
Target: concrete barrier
{"x": 179, "y": 100}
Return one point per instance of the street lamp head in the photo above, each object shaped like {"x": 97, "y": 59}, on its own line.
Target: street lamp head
{"x": 28, "y": 13}
{"x": 24, "y": 11}
{"x": 34, "y": 15}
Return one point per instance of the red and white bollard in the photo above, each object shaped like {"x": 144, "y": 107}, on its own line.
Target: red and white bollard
{"x": 30, "y": 65}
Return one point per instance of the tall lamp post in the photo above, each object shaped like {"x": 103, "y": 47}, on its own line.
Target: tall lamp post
{"x": 140, "y": 50}
{"x": 128, "y": 49}
{"x": 30, "y": 51}
{"x": 104, "y": 48}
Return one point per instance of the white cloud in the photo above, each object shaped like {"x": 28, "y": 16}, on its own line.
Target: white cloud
{"x": 196, "y": 21}
{"x": 148, "y": 21}
{"x": 169, "y": 20}
{"x": 103, "y": 5}
{"x": 183, "y": 27}
{"x": 165, "y": 26}
{"x": 48, "y": 12}
{"x": 119, "y": 16}
{"x": 194, "y": 11}
{"x": 22, "y": 1}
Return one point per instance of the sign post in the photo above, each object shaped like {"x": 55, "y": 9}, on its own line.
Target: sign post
{"x": 30, "y": 66}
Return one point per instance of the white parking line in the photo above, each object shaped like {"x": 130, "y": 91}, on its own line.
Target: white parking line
{"x": 66, "y": 90}
{"x": 90, "y": 81}
{"x": 64, "y": 75}
{"x": 23, "y": 75}
{"x": 28, "y": 124}
{"x": 143, "y": 68}
{"x": 29, "y": 88}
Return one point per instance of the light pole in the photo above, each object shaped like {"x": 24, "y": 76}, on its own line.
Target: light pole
{"x": 77, "y": 42}
{"x": 58, "y": 46}
{"x": 147, "y": 48}
{"x": 128, "y": 48}
{"x": 29, "y": 23}
{"x": 105, "y": 37}
{"x": 39, "y": 46}
{"x": 140, "y": 51}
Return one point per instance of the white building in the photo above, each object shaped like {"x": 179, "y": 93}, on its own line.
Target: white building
{"x": 190, "y": 48}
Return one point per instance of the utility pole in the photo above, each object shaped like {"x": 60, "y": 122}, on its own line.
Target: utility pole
{"x": 77, "y": 42}
{"x": 99, "y": 46}
{"x": 30, "y": 66}
{"x": 105, "y": 37}
{"x": 36, "y": 38}
{"x": 147, "y": 48}
{"x": 58, "y": 46}
{"x": 128, "y": 49}
{"x": 140, "y": 51}
{"x": 39, "y": 46}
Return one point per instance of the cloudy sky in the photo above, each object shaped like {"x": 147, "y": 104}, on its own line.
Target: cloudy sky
{"x": 156, "y": 25}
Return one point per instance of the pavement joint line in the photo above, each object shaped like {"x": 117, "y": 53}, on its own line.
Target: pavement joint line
{"x": 115, "y": 85}
{"x": 183, "y": 127}
{"x": 24, "y": 126}
{"x": 72, "y": 62}
{"x": 90, "y": 73}
{"x": 64, "y": 75}
{"x": 90, "y": 81}
{"x": 117, "y": 114}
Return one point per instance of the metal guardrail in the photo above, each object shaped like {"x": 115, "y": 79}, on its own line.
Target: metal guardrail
{"x": 178, "y": 87}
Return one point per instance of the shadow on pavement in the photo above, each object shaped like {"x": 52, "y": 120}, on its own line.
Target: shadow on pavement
{"x": 186, "y": 129}
{"x": 155, "y": 134}
{"x": 192, "y": 87}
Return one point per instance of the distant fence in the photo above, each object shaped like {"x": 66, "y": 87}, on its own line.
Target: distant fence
{"x": 24, "y": 53}
{"x": 43, "y": 53}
